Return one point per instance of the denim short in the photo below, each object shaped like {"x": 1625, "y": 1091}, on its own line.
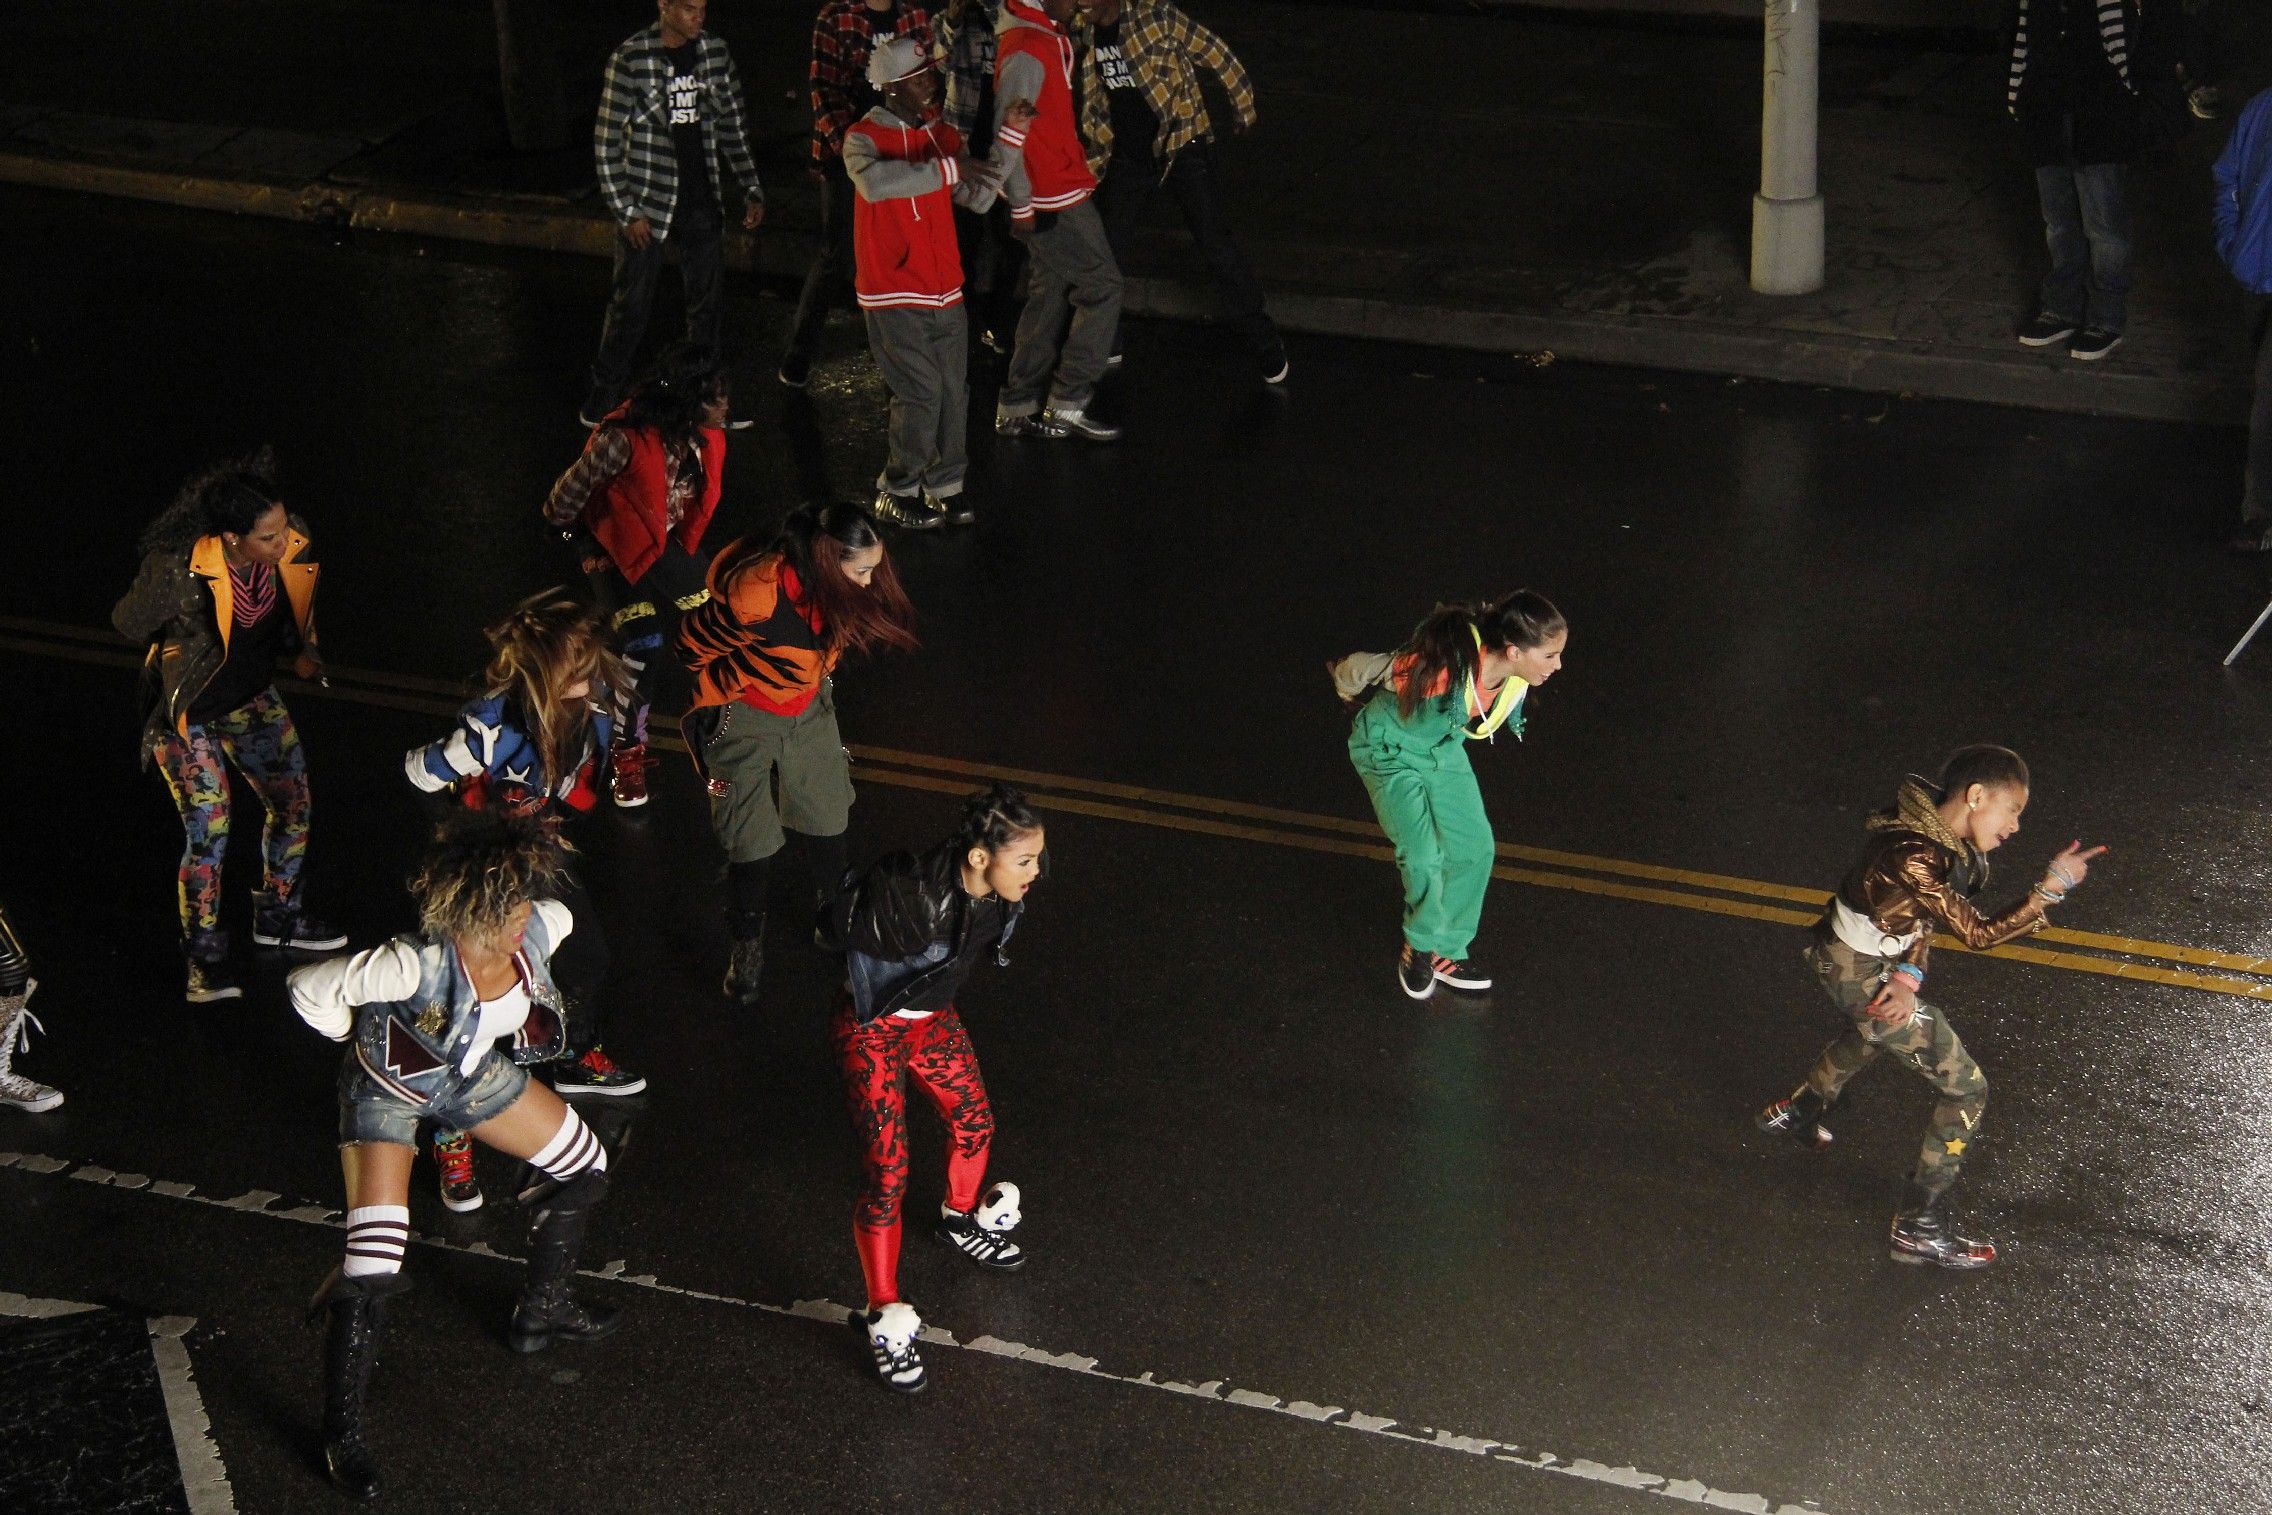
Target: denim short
{"x": 369, "y": 1112}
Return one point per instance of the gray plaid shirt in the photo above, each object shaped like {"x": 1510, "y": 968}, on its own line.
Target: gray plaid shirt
{"x": 631, "y": 142}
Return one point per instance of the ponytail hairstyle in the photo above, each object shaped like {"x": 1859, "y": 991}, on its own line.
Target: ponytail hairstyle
{"x": 1443, "y": 646}
{"x": 1985, "y": 764}
{"x": 815, "y": 540}
{"x": 230, "y": 496}
{"x": 993, "y": 818}
{"x": 669, "y": 398}
{"x": 547, "y": 645}
{"x": 482, "y": 864}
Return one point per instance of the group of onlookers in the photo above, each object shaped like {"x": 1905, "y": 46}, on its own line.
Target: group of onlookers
{"x": 953, "y": 153}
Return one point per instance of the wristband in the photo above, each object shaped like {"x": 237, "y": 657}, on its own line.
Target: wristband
{"x": 1914, "y": 974}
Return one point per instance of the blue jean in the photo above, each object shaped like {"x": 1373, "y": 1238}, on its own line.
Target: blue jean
{"x": 631, "y": 291}
{"x": 2086, "y": 222}
{"x": 368, "y": 1112}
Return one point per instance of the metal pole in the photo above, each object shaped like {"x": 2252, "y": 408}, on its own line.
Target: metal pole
{"x": 1786, "y": 214}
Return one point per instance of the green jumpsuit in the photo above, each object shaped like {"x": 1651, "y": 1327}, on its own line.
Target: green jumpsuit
{"x": 1424, "y": 791}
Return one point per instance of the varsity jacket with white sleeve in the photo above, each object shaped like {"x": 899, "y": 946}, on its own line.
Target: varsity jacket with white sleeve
{"x": 904, "y": 178}
{"x": 1043, "y": 166}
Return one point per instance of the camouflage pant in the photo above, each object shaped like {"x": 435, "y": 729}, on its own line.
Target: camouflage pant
{"x": 1928, "y": 1044}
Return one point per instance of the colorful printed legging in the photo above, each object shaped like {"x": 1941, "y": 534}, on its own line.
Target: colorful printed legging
{"x": 260, "y": 739}
{"x": 877, "y": 1060}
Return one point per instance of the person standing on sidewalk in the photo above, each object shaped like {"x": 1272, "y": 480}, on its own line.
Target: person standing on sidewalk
{"x": 1046, "y": 179}
{"x": 671, "y": 116}
{"x": 16, "y": 1021}
{"x": 226, "y": 589}
{"x": 1926, "y": 857}
{"x": 2243, "y": 216}
{"x": 845, "y": 34}
{"x": 905, "y": 165}
{"x": 2071, "y": 90}
{"x": 1147, "y": 127}
{"x": 635, "y": 505}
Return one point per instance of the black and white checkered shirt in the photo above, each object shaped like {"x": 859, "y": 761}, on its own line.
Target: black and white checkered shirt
{"x": 631, "y": 142}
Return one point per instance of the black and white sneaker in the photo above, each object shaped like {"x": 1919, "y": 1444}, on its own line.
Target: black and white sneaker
{"x": 1031, "y": 424}
{"x": 2093, "y": 343}
{"x": 2044, "y": 330}
{"x": 1416, "y": 974}
{"x": 1074, "y": 421}
{"x": 983, "y": 1235}
{"x": 891, "y": 1341}
{"x": 1454, "y": 974}
{"x": 1799, "y": 1118}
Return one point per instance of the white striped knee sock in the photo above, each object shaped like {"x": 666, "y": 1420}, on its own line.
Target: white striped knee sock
{"x": 376, "y": 1235}
{"x": 572, "y": 1149}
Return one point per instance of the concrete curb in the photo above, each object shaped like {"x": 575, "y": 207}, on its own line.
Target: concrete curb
{"x": 1641, "y": 341}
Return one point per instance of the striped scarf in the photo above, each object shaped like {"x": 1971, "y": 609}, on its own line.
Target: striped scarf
{"x": 252, "y": 593}
{"x": 2113, "y": 35}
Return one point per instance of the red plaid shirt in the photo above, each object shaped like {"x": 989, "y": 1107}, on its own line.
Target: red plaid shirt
{"x": 842, "y": 36}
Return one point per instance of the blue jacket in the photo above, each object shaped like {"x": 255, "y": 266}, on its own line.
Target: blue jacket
{"x": 412, "y": 1013}
{"x": 491, "y": 759}
{"x": 2244, "y": 197}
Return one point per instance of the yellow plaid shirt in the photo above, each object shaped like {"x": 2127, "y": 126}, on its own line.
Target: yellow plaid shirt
{"x": 1164, "y": 48}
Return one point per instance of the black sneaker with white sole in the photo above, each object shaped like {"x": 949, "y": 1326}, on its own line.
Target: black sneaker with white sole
{"x": 1454, "y": 974}
{"x": 1416, "y": 974}
{"x": 796, "y": 370}
{"x": 212, "y": 981}
{"x": 2093, "y": 343}
{"x": 2044, "y": 330}
{"x": 294, "y": 929}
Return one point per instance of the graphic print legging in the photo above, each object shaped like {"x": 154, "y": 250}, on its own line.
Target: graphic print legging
{"x": 877, "y": 1060}
{"x": 260, "y": 739}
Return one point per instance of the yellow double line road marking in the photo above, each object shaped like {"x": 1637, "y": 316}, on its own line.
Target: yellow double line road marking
{"x": 1611, "y": 878}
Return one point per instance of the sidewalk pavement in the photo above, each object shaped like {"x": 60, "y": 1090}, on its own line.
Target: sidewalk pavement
{"x": 1518, "y": 181}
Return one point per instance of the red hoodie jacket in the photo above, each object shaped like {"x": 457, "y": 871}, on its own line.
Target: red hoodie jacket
{"x": 903, "y": 218}
{"x": 1045, "y": 167}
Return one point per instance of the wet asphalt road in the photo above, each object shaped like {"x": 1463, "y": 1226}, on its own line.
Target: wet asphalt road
{"x": 1402, "y": 1258}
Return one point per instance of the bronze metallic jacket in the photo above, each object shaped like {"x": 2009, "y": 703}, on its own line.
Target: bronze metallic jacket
{"x": 1914, "y": 874}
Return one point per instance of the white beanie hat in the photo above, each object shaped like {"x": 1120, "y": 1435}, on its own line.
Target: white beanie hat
{"x": 894, "y": 60}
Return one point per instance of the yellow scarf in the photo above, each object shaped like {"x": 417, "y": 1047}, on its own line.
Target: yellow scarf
{"x": 1484, "y": 724}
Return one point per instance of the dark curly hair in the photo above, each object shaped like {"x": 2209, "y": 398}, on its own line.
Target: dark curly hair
{"x": 229, "y": 496}
{"x": 994, "y": 817}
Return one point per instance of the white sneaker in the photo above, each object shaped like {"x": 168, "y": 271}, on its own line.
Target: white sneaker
{"x": 891, "y": 1337}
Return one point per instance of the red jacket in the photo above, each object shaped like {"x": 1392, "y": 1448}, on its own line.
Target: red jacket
{"x": 903, "y": 215}
{"x": 1055, "y": 169}
{"x": 628, "y": 516}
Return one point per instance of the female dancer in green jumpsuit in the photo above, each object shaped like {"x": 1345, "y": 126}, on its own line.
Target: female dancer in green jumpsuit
{"x": 1461, "y": 677}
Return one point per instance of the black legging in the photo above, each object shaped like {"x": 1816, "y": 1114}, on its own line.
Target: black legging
{"x": 580, "y": 967}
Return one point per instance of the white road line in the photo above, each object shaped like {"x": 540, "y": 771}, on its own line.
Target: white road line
{"x": 263, "y": 1202}
{"x": 203, "y": 1478}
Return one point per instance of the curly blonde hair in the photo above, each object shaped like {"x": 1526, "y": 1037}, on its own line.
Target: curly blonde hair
{"x": 483, "y": 864}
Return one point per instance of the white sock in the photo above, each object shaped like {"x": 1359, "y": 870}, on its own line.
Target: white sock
{"x": 572, "y": 1149}
{"x": 376, "y": 1235}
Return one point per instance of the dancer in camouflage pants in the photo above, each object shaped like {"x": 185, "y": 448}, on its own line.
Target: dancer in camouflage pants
{"x": 1928, "y": 1045}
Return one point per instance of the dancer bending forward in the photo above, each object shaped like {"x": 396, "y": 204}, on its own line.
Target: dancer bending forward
{"x": 441, "y": 1025}
{"x": 1461, "y": 677}
{"x": 1924, "y": 860}
{"x": 913, "y": 927}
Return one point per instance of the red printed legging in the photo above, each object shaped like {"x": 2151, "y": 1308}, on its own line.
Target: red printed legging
{"x": 877, "y": 1059}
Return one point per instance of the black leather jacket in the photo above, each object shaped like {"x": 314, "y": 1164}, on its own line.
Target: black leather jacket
{"x": 902, "y": 928}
